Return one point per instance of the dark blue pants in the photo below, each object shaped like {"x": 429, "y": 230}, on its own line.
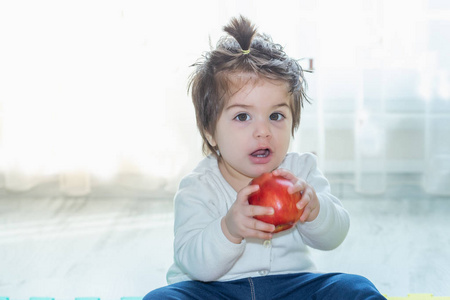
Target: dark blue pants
{"x": 332, "y": 286}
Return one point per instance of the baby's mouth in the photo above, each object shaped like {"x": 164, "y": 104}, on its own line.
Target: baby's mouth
{"x": 261, "y": 153}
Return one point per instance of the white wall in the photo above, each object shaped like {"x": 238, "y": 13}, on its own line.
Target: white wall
{"x": 98, "y": 88}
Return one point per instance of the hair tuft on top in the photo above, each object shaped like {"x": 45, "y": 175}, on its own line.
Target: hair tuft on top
{"x": 242, "y": 30}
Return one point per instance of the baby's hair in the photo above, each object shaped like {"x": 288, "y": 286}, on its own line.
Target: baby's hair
{"x": 243, "y": 50}
{"x": 242, "y": 30}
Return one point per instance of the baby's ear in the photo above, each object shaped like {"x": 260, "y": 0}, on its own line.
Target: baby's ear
{"x": 210, "y": 139}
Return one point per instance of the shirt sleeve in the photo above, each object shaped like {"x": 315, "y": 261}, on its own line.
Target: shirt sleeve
{"x": 201, "y": 249}
{"x": 331, "y": 226}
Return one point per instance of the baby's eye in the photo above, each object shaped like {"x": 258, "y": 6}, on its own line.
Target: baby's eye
{"x": 242, "y": 117}
{"x": 276, "y": 117}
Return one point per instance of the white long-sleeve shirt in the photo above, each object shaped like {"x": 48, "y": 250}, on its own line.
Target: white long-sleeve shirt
{"x": 201, "y": 250}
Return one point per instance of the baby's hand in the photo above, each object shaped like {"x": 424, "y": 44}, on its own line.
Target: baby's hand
{"x": 239, "y": 223}
{"x": 309, "y": 200}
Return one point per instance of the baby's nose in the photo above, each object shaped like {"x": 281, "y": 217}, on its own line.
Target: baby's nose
{"x": 262, "y": 130}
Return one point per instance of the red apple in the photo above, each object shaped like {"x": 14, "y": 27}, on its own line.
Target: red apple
{"x": 273, "y": 192}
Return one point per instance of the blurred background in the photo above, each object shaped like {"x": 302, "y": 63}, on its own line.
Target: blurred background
{"x": 94, "y": 93}
{"x": 97, "y": 129}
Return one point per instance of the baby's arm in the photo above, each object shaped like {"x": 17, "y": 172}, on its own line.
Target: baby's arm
{"x": 332, "y": 223}
{"x": 201, "y": 249}
{"x": 327, "y": 222}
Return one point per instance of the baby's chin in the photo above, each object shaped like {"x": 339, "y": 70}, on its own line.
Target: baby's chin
{"x": 259, "y": 171}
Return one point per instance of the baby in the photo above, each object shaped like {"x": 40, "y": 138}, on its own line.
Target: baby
{"x": 248, "y": 96}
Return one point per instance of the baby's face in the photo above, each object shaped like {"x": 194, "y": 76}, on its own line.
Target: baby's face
{"x": 254, "y": 130}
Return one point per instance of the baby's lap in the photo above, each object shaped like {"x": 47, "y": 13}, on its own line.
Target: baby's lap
{"x": 285, "y": 286}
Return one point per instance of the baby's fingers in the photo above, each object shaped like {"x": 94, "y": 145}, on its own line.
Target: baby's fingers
{"x": 304, "y": 201}
{"x": 310, "y": 205}
{"x": 242, "y": 196}
{"x": 255, "y": 210}
{"x": 286, "y": 174}
{"x": 257, "y": 225}
{"x": 305, "y": 214}
{"x": 260, "y": 234}
{"x": 298, "y": 184}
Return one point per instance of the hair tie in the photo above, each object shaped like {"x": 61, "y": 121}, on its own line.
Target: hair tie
{"x": 245, "y": 52}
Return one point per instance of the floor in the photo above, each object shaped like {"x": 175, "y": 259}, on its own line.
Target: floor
{"x": 121, "y": 245}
